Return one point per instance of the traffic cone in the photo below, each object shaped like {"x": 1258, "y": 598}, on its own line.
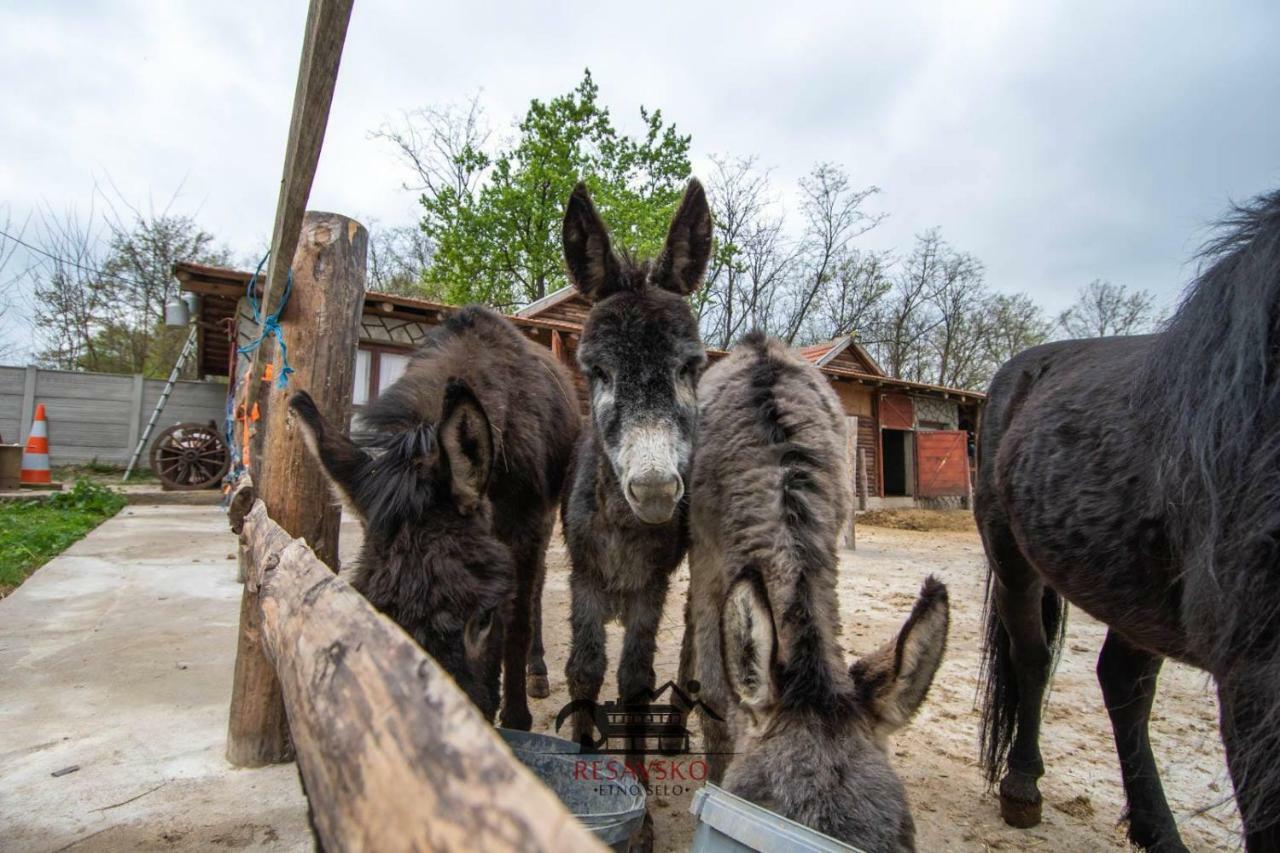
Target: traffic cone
{"x": 35, "y": 459}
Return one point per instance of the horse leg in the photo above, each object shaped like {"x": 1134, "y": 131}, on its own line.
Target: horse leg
{"x": 1248, "y": 701}
{"x": 587, "y": 652}
{"x": 1019, "y": 596}
{"x": 515, "y": 701}
{"x": 1128, "y": 679}
{"x": 539, "y": 687}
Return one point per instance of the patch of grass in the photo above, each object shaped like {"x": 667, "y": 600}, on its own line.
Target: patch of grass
{"x": 35, "y": 531}
{"x": 925, "y": 520}
{"x": 105, "y": 473}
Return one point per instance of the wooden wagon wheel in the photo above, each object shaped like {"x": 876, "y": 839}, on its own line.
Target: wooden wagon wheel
{"x": 190, "y": 456}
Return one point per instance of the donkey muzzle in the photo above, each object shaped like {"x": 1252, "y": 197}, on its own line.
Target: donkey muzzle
{"x": 653, "y": 495}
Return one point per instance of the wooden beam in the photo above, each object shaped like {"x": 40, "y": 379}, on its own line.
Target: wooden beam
{"x": 326, "y": 30}
{"x": 393, "y": 754}
{"x": 322, "y": 325}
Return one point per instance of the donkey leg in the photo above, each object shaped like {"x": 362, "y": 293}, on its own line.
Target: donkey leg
{"x": 538, "y": 685}
{"x": 1247, "y": 699}
{"x": 587, "y": 652}
{"x": 636, "y": 679}
{"x": 515, "y": 701}
{"x": 1128, "y": 678}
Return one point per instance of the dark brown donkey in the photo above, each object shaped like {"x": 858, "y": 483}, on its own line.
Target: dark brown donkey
{"x": 457, "y": 484}
{"x": 1139, "y": 479}
{"x": 625, "y": 512}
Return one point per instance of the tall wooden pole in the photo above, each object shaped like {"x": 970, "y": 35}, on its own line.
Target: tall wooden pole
{"x": 321, "y": 327}
{"x": 322, "y": 41}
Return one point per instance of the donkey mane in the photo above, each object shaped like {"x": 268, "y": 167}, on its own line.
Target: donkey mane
{"x": 806, "y": 678}
{"x": 1212, "y": 384}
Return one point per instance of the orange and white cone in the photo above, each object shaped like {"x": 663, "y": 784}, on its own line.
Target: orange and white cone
{"x": 35, "y": 459}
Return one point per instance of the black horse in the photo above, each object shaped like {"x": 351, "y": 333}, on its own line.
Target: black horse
{"x": 1139, "y": 478}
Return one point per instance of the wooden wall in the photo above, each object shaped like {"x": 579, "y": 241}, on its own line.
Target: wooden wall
{"x": 860, "y": 400}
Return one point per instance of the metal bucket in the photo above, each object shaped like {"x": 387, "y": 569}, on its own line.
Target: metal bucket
{"x": 612, "y": 811}
{"x": 729, "y": 824}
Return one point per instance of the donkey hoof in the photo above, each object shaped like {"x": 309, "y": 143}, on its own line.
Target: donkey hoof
{"x": 642, "y": 838}
{"x": 538, "y": 686}
{"x": 522, "y": 721}
{"x": 1021, "y": 814}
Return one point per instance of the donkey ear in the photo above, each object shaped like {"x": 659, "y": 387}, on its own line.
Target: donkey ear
{"x": 684, "y": 258}
{"x": 588, "y": 254}
{"x": 467, "y": 441}
{"x": 893, "y": 681}
{"x": 342, "y": 460}
{"x": 749, "y": 646}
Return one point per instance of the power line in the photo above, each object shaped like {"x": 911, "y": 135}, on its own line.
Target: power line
{"x": 69, "y": 262}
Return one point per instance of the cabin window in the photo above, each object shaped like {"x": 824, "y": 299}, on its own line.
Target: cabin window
{"x": 364, "y": 363}
{"x": 391, "y": 368}
{"x": 376, "y": 369}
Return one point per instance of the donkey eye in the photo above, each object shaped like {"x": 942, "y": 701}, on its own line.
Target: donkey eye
{"x": 600, "y": 375}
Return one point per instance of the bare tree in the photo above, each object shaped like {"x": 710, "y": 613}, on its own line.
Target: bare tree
{"x": 399, "y": 258}
{"x": 1103, "y": 309}
{"x": 100, "y": 283}
{"x": 959, "y": 293}
{"x": 904, "y": 320}
{"x": 751, "y": 257}
{"x": 848, "y": 304}
{"x": 443, "y": 145}
{"x": 1015, "y": 323}
{"x": 11, "y": 238}
{"x": 72, "y": 301}
{"x": 833, "y": 217}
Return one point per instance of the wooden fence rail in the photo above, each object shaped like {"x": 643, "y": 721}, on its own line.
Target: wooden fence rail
{"x": 393, "y": 754}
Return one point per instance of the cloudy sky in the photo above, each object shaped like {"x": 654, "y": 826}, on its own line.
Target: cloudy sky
{"x": 1058, "y": 142}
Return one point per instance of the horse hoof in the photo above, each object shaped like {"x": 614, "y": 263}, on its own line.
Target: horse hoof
{"x": 538, "y": 686}
{"x": 1020, "y": 814}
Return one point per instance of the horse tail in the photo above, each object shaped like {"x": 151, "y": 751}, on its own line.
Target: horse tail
{"x": 1000, "y": 700}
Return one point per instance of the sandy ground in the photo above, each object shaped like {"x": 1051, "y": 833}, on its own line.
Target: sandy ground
{"x": 936, "y": 754}
{"x": 116, "y": 656}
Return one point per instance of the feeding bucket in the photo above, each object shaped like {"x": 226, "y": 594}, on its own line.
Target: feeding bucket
{"x": 611, "y": 810}
{"x": 729, "y": 824}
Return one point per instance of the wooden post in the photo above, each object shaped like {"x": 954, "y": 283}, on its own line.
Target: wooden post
{"x": 393, "y": 753}
{"x": 321, "y": 326}
{"x": 851, "y": 466}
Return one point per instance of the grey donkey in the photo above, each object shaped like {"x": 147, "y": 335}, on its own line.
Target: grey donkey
{"x": 806, "y": 734}
{"x": 625, "y": 513}
{"x": 456, "y": 485}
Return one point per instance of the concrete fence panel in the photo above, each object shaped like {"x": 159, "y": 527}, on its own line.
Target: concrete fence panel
{"x": 98, "y": 415}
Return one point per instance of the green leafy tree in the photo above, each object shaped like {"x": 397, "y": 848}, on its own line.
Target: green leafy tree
{"x": 494, "y": 219}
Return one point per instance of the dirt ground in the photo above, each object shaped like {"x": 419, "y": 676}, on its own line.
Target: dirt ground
{"x": 936, "y": 754}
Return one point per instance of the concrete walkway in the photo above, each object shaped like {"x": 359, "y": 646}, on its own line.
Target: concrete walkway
{"x": 117, "y": 657}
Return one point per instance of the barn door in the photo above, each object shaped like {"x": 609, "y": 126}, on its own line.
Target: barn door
{"x": 942, "y": 463}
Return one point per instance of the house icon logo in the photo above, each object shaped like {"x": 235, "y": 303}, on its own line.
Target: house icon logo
{"x": 641, "y": 724}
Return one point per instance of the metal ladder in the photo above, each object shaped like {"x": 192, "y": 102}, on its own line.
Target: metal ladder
{"x": 187, "y": 348}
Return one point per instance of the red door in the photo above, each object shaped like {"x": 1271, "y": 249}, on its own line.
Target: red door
{"x": 942, "y": 463}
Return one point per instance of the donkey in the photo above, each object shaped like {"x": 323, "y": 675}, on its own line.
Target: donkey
{"x": 457, "y": 488}
{"x": 625, "y": 514}
{"x": 807, "y": 737}
{"x": 1139, "y": 478}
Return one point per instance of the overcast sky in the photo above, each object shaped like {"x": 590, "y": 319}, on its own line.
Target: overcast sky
{"x": 1057, "y": 142}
